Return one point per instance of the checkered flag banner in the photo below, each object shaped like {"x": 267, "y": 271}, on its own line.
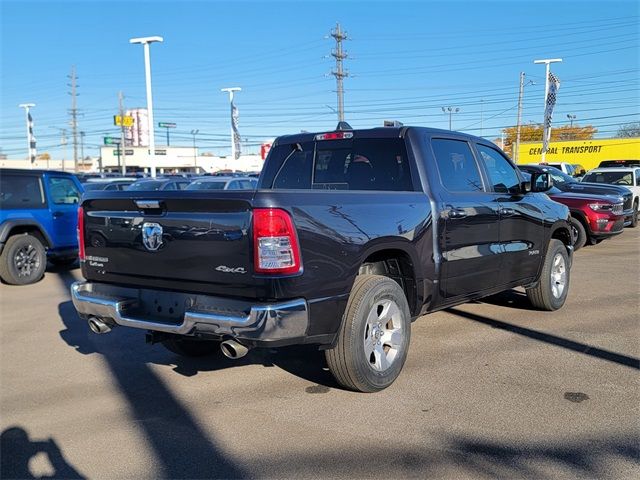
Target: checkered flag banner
{"x": 32, "y": 139}
{"x": 554, "y": 86}
{"x": 234, "y": 126}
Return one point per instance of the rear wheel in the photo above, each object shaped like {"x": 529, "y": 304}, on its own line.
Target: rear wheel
{"x": 374, "y": 338}
{"x": 189, "y": 347}
{"x": 23, "y": 260}
{"x": 552, "y": 288}
{"x": 579, "y": 233}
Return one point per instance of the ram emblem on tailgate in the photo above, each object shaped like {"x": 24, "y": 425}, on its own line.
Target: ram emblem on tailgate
{"x": 151, "y": 236}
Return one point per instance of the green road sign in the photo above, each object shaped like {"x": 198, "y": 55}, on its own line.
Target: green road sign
{"x": 111, "y": 141}
{"x": 167, "y": 125}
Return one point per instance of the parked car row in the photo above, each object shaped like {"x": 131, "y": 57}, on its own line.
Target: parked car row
{"x": 606, "y": 200}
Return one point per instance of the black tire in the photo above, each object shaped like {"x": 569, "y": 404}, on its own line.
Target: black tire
{"x": 579, "y": 233}
{"x": 543, "y": 295}
{"x": 636, "y": 213}
{"x": 189, "y": 347}
{"x": 23, "y": 260}
{"x": 381, "y": 301}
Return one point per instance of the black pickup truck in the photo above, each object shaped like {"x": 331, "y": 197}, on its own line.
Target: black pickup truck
{"x": 350, "y": 235}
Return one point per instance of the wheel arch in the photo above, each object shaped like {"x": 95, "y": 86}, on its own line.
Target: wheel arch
{"x": 398, "y": 261}
{"x": 18, "y": 227}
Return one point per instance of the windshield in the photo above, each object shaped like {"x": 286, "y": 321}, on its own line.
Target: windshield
{"x": 146, "y": 186}
{"x": 204, "y": 185}
{"x": 614, "y": 178}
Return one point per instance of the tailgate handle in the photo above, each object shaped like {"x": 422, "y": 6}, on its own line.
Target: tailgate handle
{"x": 147, "y": 204}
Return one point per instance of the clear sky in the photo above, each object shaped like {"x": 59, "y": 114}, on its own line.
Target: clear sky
{"x": 407, "y": 61}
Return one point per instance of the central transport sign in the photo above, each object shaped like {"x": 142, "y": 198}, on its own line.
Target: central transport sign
{"x": 167, "y": 125}
{"x": 121, "y": 121}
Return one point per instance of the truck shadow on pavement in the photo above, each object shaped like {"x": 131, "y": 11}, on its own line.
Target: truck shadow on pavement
{"x": 182, "y": 448}
{"x": 578, "y": 347}
{"x": 18, "y": 451}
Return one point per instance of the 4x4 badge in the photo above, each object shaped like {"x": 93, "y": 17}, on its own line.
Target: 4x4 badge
{"x": 151, "y": 236}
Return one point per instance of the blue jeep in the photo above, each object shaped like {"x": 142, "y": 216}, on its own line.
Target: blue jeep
{"x": 38, "y": 220}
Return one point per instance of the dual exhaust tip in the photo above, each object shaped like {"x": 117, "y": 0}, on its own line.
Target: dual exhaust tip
{"x": 230, "y": 348}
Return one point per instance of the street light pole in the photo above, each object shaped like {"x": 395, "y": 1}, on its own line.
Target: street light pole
{"x": 451, "y": 111}
{"x": 145, "y": 41}
{"x": 195, "y": 158}
{"x": 571, "y": 119}
{"x": 31, "y": 143}
{"x": 547, "y": 62}
{"x": 233, "y": 136}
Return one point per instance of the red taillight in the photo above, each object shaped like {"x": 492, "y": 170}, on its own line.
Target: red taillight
{"x": 81, "y": 233}
{"x": 334, "y": 135}
{"x": 275, "y": 242}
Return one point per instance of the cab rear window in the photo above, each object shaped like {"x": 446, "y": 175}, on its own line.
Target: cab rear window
{"x": 379, "y": 164}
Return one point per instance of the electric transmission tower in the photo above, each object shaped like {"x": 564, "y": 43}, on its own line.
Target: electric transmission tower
{"x": 339, "y": 54}
{"x": 74, "y": 115}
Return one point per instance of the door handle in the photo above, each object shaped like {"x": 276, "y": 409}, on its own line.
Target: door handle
{"x": 507, "y": 212}
{"x": 58, "y": 214}
{"x": 457, "y": 213}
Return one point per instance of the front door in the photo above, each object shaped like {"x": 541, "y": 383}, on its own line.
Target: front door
{"x": 521, "y": 230}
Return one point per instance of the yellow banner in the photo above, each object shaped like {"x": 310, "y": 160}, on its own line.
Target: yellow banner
{"x": 588, "y": 153}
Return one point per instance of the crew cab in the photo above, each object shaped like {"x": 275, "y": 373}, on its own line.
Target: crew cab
{"x": 627, "y": 177}
{"x": 38, "y": 215}
{"x": 350, "y": 235}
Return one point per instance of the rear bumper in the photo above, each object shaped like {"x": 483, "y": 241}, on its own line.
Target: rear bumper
{"x": 196, "y": 315}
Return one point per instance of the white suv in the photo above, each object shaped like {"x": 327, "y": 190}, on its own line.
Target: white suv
{"x": 628, "y": 177}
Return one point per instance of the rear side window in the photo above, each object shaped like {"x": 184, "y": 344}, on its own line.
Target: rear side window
{"x": 360, "y": 164}
{"x": 21, "y": 191}
{"x": 458, "y": 169}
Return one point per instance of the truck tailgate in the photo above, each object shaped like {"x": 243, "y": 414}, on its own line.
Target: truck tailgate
{"x": 181, "y": 236}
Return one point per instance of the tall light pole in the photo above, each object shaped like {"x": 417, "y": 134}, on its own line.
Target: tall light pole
{"x": 233, "y": 130}
{"x": 571, "y": 119}
{"x": 145, "y": 41}
{"x": 31, "y": 141}
{"x": 451, "y": 111}
{"x": 547, "y": 62}
{"x": 516, "y": 152}
{"x": 195, "y": 159}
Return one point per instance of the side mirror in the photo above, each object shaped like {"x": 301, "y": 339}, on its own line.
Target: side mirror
{"x": 541, "y": 182}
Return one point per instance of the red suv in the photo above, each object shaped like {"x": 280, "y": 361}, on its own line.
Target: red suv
{"x": 593, "y": 218}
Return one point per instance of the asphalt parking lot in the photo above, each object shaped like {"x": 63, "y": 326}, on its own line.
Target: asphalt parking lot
{"x": 490, "y": 389}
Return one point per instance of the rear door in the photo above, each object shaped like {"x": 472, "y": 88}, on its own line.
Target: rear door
{"x": 521, "y": 229}
{"x": 64, "y": 197}
{"x": 469, "y": 232}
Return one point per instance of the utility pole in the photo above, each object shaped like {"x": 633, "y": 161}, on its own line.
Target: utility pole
{"x": 516, "y": 151}
{"x": 451, "y": 111}
{"x": 481, "y": 115}
{"x": 339, "y": 72}
{"x": 74, "y": 115}
{"x": 82, "y": 147}
{"x": 195, "y": 150}
{"x": 31, "y": 141}
{"x": 122, "y": 147}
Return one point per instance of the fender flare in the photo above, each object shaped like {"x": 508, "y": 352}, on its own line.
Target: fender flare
{"x": 6, "y": 227}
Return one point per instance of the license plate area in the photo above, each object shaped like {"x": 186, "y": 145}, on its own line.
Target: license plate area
{"x": 161, "y": 306}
